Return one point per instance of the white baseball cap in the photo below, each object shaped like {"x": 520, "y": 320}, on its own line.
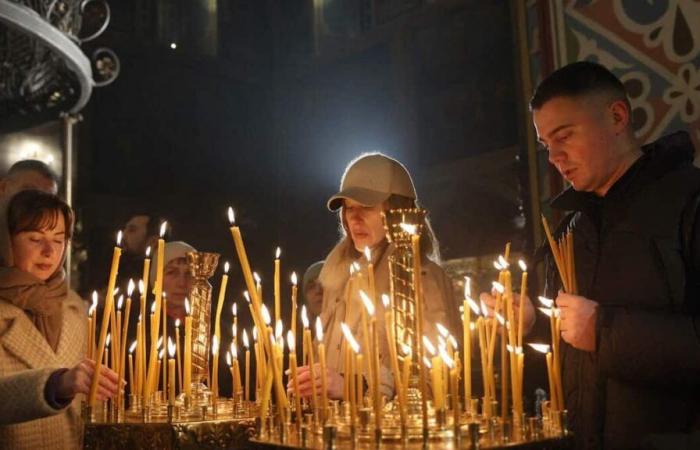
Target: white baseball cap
{"x": 371, "y": 179}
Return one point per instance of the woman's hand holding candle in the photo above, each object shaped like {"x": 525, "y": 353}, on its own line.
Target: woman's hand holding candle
{"x": 77, "y": 380}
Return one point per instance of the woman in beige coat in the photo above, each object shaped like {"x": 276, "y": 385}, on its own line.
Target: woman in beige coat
{"x": 371, "y": 185}
{"x": 42, "y": 329}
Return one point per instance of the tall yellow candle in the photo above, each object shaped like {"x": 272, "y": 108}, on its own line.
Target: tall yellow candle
{"x": 308, "y": 343}
{"x": 152, "y": 373}
{"x": 220, "y": 302}
{"x": 366, "y": 338}
{"x": 278, "y": 313}
{"x": 136, "y": 388}
{"x": 293, "y": 324}
{"x": 234, "y": 311}
{"x": 521, "y": 305}
{"x": 322, "y": 363}
{"x": 187, "y": 363}
{"x": 393, "y": 357}
{"x": 237, "y": 390}
{"x": 215, "y": 369}
{"x": 171, "y": 372}
{"x": 109, "y": 303}
{"x": 370, "y": 274}
{"x": 246, "y": 344}
{"x": 131, "y": 366}
{"x": 293, "y": 366}
{"x": 350, "y": 368}
{"x": 178, "y": 354}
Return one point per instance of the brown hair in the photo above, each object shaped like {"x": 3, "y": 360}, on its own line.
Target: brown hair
{"x": 429, "y": 245}
{"x": 36, "y": 210}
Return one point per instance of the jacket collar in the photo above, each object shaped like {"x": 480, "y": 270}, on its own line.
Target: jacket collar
{"x": 660, "y": 157}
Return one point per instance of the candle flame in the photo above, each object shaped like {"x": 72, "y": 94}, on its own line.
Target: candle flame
{"x": 215, "y": 345}
{"x": 442, "y": 330}
{"x": 446, "y": 358}
{"x": 91, "y": 310}
{"x": 119, "y": 238}
{"x": 294, "y": 278}
{"x": 130, "y": 287}
{"x": 522, "y": 265}
{"x": 356, "y": 265}
{"x": 546, "y": 311}
{"x": 502, "y": 261}
{"x": 279, "y": 329}
{"x": 258, "y": 280}
{"x": 453, "y": 341}
{"x": 159, "y": 344}
{"x": 132, "y": 347}
{"x": 142, "y": 289}
{"x": 498, "y": 287}
{"x": 108, "y": 340}
{"x": 234, "y": 330}
{"x": 428, "y": 345}
{"x": 228, "y": 358}
{"x": 484, "y": 309}
{"x": 234, "y": 309}
{"x": 319, "y": 330}
{"x": 406, "y": 349}
{"x": 161, "y": 354}
{"x": 474, "y": 306}
{"x": 115, "y": 291}
{"x": 278, "y": 253}
{"x": 386, "y": 301}
{"x": 246, "y": 343}
{"x": 120, "y": 302}
{"x": 368, "y": 254}
{"x": 467, "y": 287}
{"x": 226, "y": 267}
{"x": 408, "y": 228}
{"x": 352, "y": 270}
{"x": 148, "y": 251}
{"x": 427, "y": 363}
{"x": 542, "y": 348}
{"x": 516, "y": 350}
{"x": 163, "y": 227}
{"x": 255, "y": 333}
{"x": 367, "y": 302}
{"x": 171, "y": 348}
{"x": 546, "y": 302}
{"x": 290, "y": 341}
{"x": 350, "y": 338}
{"x": 246, "y": 296}
{"x": 187, "y": 306}
{"x": 304, "y": 316}
{"x": 266, "y": 315}
{"x": 177, "y": 323}
{"x": 497, "y": 266}
{"x": 153, "y": 307}
{"x": 231, "y": 216}
{"x": 234, "y": 350}
{"x": 500, "y": 319}
{"x": 472, "y": 326}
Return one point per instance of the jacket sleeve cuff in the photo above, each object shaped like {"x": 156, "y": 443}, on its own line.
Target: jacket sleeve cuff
{"x": 23, "y": 395}
{"x": 50, "y": 391}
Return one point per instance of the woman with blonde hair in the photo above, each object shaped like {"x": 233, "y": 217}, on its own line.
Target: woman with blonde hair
{"x": 43, "y": 328}
{"x": 372, "y": 184}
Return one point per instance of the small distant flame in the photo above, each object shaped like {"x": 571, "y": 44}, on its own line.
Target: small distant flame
{"x": 304, "y": 317}
{"x": 119, "y": 238}
{"x": 386, "y": 301}
{"x": 522, "y": 265}
{"x": 542, "y": 348}
{"x": 290, "y": 341}
{"x": 130, "y": 287}
{"x": 132, "y": 347}
{"x": 349, "y": 337}
{"x": 294, "y": 278}
{"x": 246, "y": 343}
{"x": 319, "y": 330}
{"x": 278, "y": 253}
{"x": 163, "y": 227}
{"x": 148, "y": 251}
{"x": 429, "y": 345}
{"x": 546, "y": 302}
{"x": 231, "y": 216}
{"x": 367, "y": 302}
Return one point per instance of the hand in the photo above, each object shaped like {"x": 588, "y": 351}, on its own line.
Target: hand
{"x": 489, "y": 299}
{"x": 334, "y": 382}
{"x": 578, "y": 316}
{"x": 78, "y": 379}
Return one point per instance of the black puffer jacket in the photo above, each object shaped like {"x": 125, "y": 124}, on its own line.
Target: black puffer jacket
{"x": 633, "y": 258}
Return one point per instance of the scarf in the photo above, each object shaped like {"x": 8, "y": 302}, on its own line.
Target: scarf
{"x": 42, "y": 301}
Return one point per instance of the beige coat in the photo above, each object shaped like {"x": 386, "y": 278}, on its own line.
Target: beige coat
{"x": 26, "y": 361}
{"x": 439, "y": 306}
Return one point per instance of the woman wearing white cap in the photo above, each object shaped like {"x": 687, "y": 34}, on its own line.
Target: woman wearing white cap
{"x": 177, "y": 278}
{"x": 371, "y": 185}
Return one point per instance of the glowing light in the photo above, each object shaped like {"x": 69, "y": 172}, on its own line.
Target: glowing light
{"x": 246, "y": 343}
{"x": 163, "y": 227}
{"x": 132, "y": 347}
{"x": 522, "y": 265}
{"x": 409, "y": 228}
{"x": 304, "y": 317}
{"x": 367, "y": 302}
{"x": 429, "y": 345}
{"x": 278, "y": 253}
{"x": 385, "y": 300}
{"x": 349, "y": 337}
{"x": 542, "y": 348}
{"x": 319, "y": 330}
{"x": 290, "y": 341}
{"x": 294, "y": 278}
{"x": 231, "y": 216}
{"x": 546, "y": 302}
{"x": 130, "y": 287}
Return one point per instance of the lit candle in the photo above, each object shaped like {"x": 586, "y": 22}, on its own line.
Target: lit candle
{"x": 294, "y": 303}
{"x": 116, "y": 333}
{"x": 215, "y": 369}
{"x": 109, "y": 302}
{"x": 308, "y": 343}
{"x": 278, "y": 314}
{"x": 92, "y": 327}
{"x": 389, "y": 328}
{"x": 137, "y": 388}
{"x": 521, "y": 306}
{"x": 350, "y": 370}
{"x": 234, "y": 311}
{"x": 141, "y": 337}
{"x": 305, "y": 323}
{"x": 468, "y": 306}
{"x": 178, "y": 353}
{"x": 246, "y": 344}
{"x": 124, "y": 330}
{"x": 152, "y": 362}
{"x": 107, "y": 342}
{"x": 322, "y": 362}
{"x": 220, "y": 302}
{"x": 373, "y": 355}
{"x": 131, "y": 366}
{"x": 164, "y": 357}
{"x": 293, "y": 367}
{"x": 187, "y": 378}
{"x": 435, "y": 374}
{"x": 258, "y": 285}
{"x": 171, "y": 372}
{"x": 237, "y": 390}
{"x": 366, "y": 338}
{"x": 406, "y": 372}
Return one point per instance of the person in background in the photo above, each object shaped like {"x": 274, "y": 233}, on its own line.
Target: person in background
{"x": 28, "y": 174}
{"x": 312, "y": 290}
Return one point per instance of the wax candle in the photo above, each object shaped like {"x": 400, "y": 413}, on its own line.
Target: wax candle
{"x": 234, "y": 311}
{"x": 131, "y": 366}
{"x": 366, "y": 338}
{"x": 178, "y": 354}
{"x": 171, "y": 372}
{"x": 293, "y": 366}
{"x": 246, "y": 344}
{"x": 322, "y": 363}
{"x": 92, "y": 326}
{"x": 187, "y": 371}
{"x": 308, "y": 343}
{"x": 373, "y": 355}
{"x": 294, "y": 303}
{"x": 521, "y": 305}
{"x": 215, "y": 369}
{"x": 393, "y": 357}
{"x": 467, "y": 339}
{"x": 109, "y": 302}
{"x": 353, "y": 345}
{"x": 370, "y": 274}
{"x": 220, "y": 302}
{"x": 152, "y": 373}
{"x": 278, "y": 314}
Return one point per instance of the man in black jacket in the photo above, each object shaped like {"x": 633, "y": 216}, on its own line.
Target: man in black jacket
{"x": 631, "y": 352}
